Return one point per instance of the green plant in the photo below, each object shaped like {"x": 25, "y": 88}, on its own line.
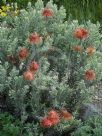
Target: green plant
{"x": 8, "y": 127}
{"x": 91, "y": 127}
{"x": 47, "y": 63}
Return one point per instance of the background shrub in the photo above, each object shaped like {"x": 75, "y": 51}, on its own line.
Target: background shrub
{"x": 91, "y": 127}
{"x": 79, "y": 9}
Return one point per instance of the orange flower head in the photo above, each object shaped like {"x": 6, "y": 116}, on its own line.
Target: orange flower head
{"x": 23, "y": 52}
{"x": 33, "y": 66}
{"x": 28, "y": 76}
{"x": 53, "y": 116}
{"x": 66, "y": 115}
{"x": 45, "y": 122}
{"x": 90, "y": 75}
{"x": 34, "y": 38}
{"x": 77, "y": 48}
{"x": 90, "y": 50}
{"x": 80, "y": 33}
{"x": 47, "y": 12}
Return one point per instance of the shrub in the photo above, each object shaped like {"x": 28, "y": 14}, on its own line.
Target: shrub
{"x": 48, "y": 68}
{"x": 92, "y": 127}
{"x": 8, "y": 127}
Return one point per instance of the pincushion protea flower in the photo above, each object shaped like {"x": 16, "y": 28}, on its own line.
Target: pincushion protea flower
{"x": 81, "y": 33}
{"x": 34, "y": 38}
{"x": 66, "y": 115}
{"x": 51, "y": 119}
{"x": 77, "y": 48}
{"x": 23, "y": 52}
{"x": 53, "y": 116}
{"x": 28, "y": 75}
{"x": 33, "y": 66}
{"x": 89, "y": 74}
{"x": 90, "y": 50}
{"x": 47, "y": 12}
{"x": 45, "y": 122}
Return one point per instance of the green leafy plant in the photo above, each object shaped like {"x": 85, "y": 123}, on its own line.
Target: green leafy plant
{"x": 49, "y": 67}
{"x": 91, "y": 127}
{"x": 8, "y": 127}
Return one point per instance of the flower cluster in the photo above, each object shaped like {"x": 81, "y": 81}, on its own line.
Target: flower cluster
{"x": 47, "y": 63}
{"x": 31, "y": 71}
{"x": 82, "y": 33}
{"x": 54, "y": 117}
{"x": 33, "y": 39}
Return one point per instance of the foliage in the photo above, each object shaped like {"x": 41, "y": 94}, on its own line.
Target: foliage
{"x": 9, "y": 10}
{"x": 79, "y": 9}
{"x": 91, "y": 127}
{"x": 83, "y": 9}
{"x": 8, "y": 127}
{"x": 45, "y": 63}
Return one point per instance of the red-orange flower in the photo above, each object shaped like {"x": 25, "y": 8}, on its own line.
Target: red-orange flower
{"x": 66, "y": 115}
{"x": 90, "y": 75}
{"x": 45, "y": 122}
{"x": 34, "y": 38}
{"x": 47, "y": 12}
{"x": 28, "y": 75}
{"x": 23, "y": 52}
{"x": 90, "y": 50}
{"x": 33, "y": 66}
{"x": 53, "y": 116}
{"x": 80, "y": 33}
{"x": 77, "y": 48}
